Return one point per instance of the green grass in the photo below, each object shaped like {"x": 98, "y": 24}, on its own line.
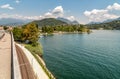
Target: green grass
{"x": 35, "y": 49}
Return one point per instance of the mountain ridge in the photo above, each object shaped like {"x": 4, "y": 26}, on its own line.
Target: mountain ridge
{"x": 112, "y": 25}
{"x": 49, "y": 22}
{"x": 74, "y": 22}
{"x": 105, "y": 21}
{"x": 12, "y": 21}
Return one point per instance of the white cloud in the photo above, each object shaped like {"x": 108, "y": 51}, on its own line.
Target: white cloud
{"x": 16, "y": 16}
{"x": 48, "y": 15}
{"x": 58, "y": 11}
{"x": 99, "y": 15}
{"x": 6, "y": 6}
{"x": 95, "y": 12}
{"x": 55, "y": 13}
{"x": 115, "y": 6}
{"x": 17, "y": 1}
{"x": 4, "y": 15}
{"x": 71, "y": 18}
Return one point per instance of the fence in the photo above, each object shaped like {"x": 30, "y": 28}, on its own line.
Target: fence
{"x": 15, "y": 70}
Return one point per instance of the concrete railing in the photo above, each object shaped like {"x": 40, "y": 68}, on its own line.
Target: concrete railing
{"x": 38, "y": 70}
{"x": 15, "y": 69}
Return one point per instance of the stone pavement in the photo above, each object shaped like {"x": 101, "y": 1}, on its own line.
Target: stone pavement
{"x": 5, "y": 57}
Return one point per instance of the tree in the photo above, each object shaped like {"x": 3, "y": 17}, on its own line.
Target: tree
{"x": 17, "y": 32}
{"x": 5, "y": 27}
{"x": 31, "y": 33}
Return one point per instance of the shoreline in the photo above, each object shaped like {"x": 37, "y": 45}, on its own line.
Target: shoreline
{"x": 57, "y": 33}
{"x": 39, "y": 63}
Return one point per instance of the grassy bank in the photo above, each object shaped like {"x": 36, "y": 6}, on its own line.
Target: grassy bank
{"x": 35, "y": 49}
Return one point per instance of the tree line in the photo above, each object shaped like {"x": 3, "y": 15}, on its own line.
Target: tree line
{"x": 64, "y": 28}
{"x": 30, "y": 33}
{"x": 114, "y": 25}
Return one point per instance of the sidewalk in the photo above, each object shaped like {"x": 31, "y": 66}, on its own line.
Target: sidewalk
{"x": 5, "y": 57}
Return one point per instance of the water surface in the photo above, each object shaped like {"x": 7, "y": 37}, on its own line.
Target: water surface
{"x": 83, "y": 56}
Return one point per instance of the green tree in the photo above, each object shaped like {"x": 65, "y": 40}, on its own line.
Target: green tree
{"x": 31, "y": 33}
{"x": 17, "y": 32}
{"x": 5, "y": 27}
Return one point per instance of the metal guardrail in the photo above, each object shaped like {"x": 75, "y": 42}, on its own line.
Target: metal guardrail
{"x": 15, "y": 70}
{"x": 12, "y": 66}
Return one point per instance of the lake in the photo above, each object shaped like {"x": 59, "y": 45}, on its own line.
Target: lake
{"x": 83, "y": 56}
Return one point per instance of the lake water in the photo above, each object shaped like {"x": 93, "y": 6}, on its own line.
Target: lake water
{"x": 83, "y": 56}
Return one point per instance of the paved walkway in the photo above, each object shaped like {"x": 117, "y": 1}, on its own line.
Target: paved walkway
{"x": 5, "y": 57}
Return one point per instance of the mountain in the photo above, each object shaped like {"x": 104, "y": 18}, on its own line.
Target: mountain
{"x": 12, "y": 21}
{"x": 15, "y": 24}
{"x": 43, "y": 22}
{"x": 94, "y": 23}
{"x": 74, "y": 22}
{"x": 49, "y": 22}
{"x": 115, "y": 24}
{"x": 68, "y": 21}
{"x": 106, "y": 21}
{"x": 64, "y": 20}
{"x": 118, "y": 18}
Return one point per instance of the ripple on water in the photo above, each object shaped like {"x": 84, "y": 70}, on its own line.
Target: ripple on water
{"x": 82, "y": 56}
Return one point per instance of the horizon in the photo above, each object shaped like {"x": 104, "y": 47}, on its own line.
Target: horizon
{"x": 82, "y": 11}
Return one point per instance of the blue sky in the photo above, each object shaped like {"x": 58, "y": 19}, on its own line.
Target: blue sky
{"x": 83, "y": 11}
